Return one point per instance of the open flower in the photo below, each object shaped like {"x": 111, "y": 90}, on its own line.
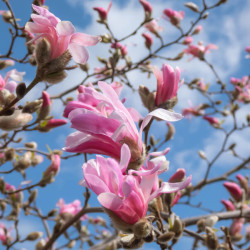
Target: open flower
{"x": 10, "y": 85}
{"x": 70, "y": 209}
{"x": 167, "y": 83}
{"x": 199, "y": 50}
{"x": 127, "y": 196}
{"x": 104, "y": 124}
{"x": 60, "y": 34}
{"x": 4, "y": 234}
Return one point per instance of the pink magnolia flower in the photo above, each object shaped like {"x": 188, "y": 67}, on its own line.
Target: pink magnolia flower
{"x": 188, "y": 40}
{"x": 70, "y": 209}
{"x": 103, "y": 14}
{"x": 10, "y": 85}
{"x": 122, "y": 48}
{"x": 199, "y": 50}
{"x": 54, "y": 167}
{"x": 243, "y": 87}
{"x": 4, "y": 234}
{"x": 234, "y": 190}
{"x": 146, "y": 5}
{"x": 60, "y": 34}
{"x": 173, "y": 16}
{"x": 167, "y": 83}
{"x": 126, "y": 195}
{"x": 212, "y": 120}
{"x": 228, "y": 205}
{"x": 148, "y": 40}
{"x": 16, "y": 196}
{"x": 153, "y": 27}
{"x": 104, "y": 124}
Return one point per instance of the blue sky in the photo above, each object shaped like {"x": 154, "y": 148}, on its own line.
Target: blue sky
{"x": 227, "y": 26}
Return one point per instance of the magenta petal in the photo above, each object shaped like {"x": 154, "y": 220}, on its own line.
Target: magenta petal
{"x": 79, "y": 53}
{"x": 95, "y": 184}
{"x": 85, "y": 39}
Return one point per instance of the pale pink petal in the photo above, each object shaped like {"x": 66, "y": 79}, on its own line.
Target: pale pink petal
{"x": 79, "y": 53}
{"x": 65, "y": 28}
{"x": 110, "y": 201}
{"x": 85, "y": 39}
{"x": 125, "y": 157}
{"x": 134, "y": 114}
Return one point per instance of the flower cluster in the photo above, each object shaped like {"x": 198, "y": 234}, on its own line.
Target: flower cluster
{"x": 127, "y": 182}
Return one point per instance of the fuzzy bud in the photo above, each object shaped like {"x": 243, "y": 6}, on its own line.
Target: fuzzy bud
{"x": 40, "y": 244}
{"x": 34, "y": 236}
{"x": 56, "y": 77}
{"x": 46, "y": 107}
{"x": 32, "y": 106}
{"x": 201, "y": 225}
{"x": 9, "y": 154}
{"x": 178, "y": 227}
{"x": 20, "y": 90}
{"x": 164, "y": 238}
{"x": 36, "y": 159}
{"x": 148, "y": 98}
{"x": 71, "y": 244}
{"x": 7, "y": 16}
{"x": 178, "y": 176}
{"x": 192, "y": 6}
{"x": 6, "y": 97}
{"x": 14, "y": 121}
{"x": 202, "y": 155}
{"x": 130, "y": 242}
{"x": 32, "y": 145}
{"x": 6, "y": 63}
{"x": 33, "y": 195}
{"x": 211, "y": 239}
{"x": 142, "y": 228}
{"x": 171, "y": 131}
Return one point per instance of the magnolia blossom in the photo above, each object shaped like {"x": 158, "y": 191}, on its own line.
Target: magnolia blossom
{"x": 193, "y": 110}
{"x": 53, "y": 123}
{"x": 104, "y": 124}
{"x": 199, "y": 50}
{"x": 173, "y": 16}
{"x": 60, "y": 34}
{"x": 236, "y": 227}
{"x": 70, "y": 209}
{"x": 4, "y": 234}
{"x": 10, "y": 85}
{"x": 103, "y": 14}
{"x": 127, "y": 195}
{"x": 167, "y": 83}
{"x": 153, "y": 27}
{"x": 197, "y": 30}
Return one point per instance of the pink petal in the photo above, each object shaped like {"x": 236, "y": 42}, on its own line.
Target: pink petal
{"x": 110, "y": 201}
{"x": 125, "y": 157}
{"x": 85, "y": 39}
{"x": 65, "y": 28}
{"x": 79, "y": 53}
{"x": 96, "y": 184}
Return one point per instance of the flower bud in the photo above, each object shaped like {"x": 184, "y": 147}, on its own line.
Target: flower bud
{"x": 192, "y": 6}
{"x": 7, "y": 16}
{"x": 33, "y": 195}
{"x": 9, "y": 154}
{"x": 6, "y": 97}
{"x": 201, "y": 225}
{"x": 164, "y": 238}
{"x": 32, "y": 106}
{"x": 211, "y": 220}
{"x": 142, "y": 228}
{"x": 6, "y": 63}
{"x": 171, "y": 131}
{"x": 148, "y": 98}
{"x": 148, "y": 40}
{"x": 211, "y": 239}
{"x": 71, "y": 244}
{"x": 14, "y": 121}
{"x": 131, "y": 242}
{"x": 234, "y": 190}
{"x": 243, "y": 181}
{"x": 23, "y": 162}
{"x": 178, "y": 227}
{"x": 32, "y": 145}
{"x": 40, "y": 244}
{"x": 36, "y": 159}
{"x": 20, "y": 90}
{"x": 52, "y": 213}
{"x": 228, "y": 205}
{"x": 147, "y": 7}
{"x": 197, "y": 30}
{"x": 56, "y": 77}
{"x": 43, "y": 52}
{"x": 202, "y": 155}
{"x": 34, "y": 236}
{"x": 188, "y": 40}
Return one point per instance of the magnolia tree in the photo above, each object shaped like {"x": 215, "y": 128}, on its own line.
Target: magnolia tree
{"x": 103, "y": 184}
